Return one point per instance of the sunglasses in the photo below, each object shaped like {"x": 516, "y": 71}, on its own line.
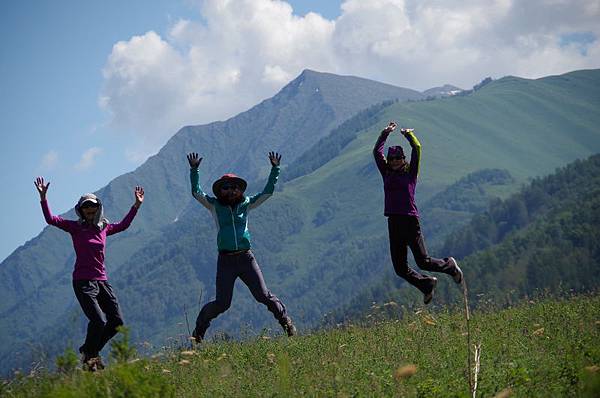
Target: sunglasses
{"x": 396, "y": 158}
{"x": 228, "y": 187}
{"x": 89, "y": 205}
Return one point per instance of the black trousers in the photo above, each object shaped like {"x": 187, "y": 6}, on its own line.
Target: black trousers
{"x": 229, "y": 268}
{"x": 405, "y": 231}
{"x": 98, "y": 301}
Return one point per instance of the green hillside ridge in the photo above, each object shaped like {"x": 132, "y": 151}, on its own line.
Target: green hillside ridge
{"x": 330, "y": 234}
{"x": 535, "y": 349}
{"x": 546, "y": 237}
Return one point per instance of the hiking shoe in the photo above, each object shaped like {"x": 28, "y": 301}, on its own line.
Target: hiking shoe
{"x": 458, "y": 274}
{"x": 289, "y": 327}
{"x": 197, "y": 336}
{"x": 93, "y": 364}
{"x": 427, "y": 297}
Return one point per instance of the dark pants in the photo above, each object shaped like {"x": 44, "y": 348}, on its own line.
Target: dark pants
{"x": 405, "y": 231}
{"x": 98, "y": 300}
{"x": 229, "y": 268}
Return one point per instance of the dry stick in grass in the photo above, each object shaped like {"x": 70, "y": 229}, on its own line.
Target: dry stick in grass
{"x": 477, "y": 366}
{"x": 467, "y": 317}
{"x": 187, "y": 323}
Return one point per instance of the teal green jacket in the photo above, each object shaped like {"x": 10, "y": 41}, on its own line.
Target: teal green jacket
{"x": 232, "y": 221}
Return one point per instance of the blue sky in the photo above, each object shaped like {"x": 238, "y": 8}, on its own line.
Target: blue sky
{"x": 51, "y": 65}
{"x": 77, "y": 107}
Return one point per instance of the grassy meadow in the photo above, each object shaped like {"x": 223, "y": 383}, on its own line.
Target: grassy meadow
{"x": 544, "y": 348}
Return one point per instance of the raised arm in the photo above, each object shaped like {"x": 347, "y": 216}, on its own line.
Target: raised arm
{"x": 380, "y": 144}
{"x": 415, "y": 155}
{"x": 112, "y": 229}
{"x": 57, "y": 221}
{"x": 197, "y": 192}
{"x": 267, "y": 192}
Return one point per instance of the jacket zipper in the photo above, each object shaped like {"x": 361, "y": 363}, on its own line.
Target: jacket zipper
{"x": 233, "y": 225}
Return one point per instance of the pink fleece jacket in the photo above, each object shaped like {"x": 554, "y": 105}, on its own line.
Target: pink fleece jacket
{"x": 88, "y": 242}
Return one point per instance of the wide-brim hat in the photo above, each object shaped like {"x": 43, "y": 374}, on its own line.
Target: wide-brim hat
{"x": 229, "y": 178}
{"x": 395, "y": 151}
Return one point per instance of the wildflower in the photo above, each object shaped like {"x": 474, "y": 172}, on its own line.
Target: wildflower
{"x": 405, "y": 372}
{"x": 538, "y": 332}
{"x": 166, "y": 371}
{"x": 271, "y": 357}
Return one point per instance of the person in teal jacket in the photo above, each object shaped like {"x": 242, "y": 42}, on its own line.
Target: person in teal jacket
{"x": 229, "y": 208}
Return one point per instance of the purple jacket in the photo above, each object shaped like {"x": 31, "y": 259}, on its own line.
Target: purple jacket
{"x": 88, "y": 242}
{"x": 399, "y": 186}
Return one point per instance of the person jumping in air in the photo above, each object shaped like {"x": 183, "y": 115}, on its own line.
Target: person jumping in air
{"x": 399, "y": 182}
{"x": 94, "y": 293}
{"x": 230, "y": 210}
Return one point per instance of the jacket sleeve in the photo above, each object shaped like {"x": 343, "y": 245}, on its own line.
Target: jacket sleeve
{"x": 415, "y": 155}
{"x": 57, "y": 221}
{"x": 112, "y": 229}
{"x": 378, "y": 151}
{"x": 267, "y": 192}
{"x": 197, "y": 192}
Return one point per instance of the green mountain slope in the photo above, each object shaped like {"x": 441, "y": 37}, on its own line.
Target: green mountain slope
{"x": 322, "y": 237}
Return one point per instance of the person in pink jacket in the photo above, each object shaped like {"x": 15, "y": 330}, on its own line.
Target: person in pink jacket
{"x": 90, "y": 283}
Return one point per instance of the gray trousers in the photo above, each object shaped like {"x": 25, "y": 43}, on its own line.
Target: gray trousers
{"x": 229, "y": 268}
{"x": 97, "y": 301}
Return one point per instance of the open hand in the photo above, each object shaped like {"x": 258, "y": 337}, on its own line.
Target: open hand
{"x": 390, "y": 127}
{"x": 42, "y": 189}
{"x": 194, "y": 160}
{"x": 139, "y": 196}
{"x": 275, "y": 158}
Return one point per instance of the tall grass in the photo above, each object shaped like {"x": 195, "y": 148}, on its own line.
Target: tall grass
{"x": 536, "y": 349}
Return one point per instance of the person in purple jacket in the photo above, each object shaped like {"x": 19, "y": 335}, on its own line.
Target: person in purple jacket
{"x": 399, "y": 183}
{"x": 94, "y": 293}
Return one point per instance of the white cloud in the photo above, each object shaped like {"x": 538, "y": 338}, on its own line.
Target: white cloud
{"x": 88, "y": 158}
{"x": 49, "y": 160}
{"x": 239, "y": 52}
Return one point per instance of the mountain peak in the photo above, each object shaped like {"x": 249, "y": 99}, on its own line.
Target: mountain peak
{"x": 446, "y": 90}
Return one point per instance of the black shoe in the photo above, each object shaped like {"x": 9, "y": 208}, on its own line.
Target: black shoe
{"x": 198, "y": 336}
{"x": 93, "y": 364}
{"x": 427, "y": 297}
{"x": 458, "y": 274}
{"x": 288, "y": 326}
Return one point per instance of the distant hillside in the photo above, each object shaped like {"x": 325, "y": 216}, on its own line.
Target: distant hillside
{"x": 322, "y": 237}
